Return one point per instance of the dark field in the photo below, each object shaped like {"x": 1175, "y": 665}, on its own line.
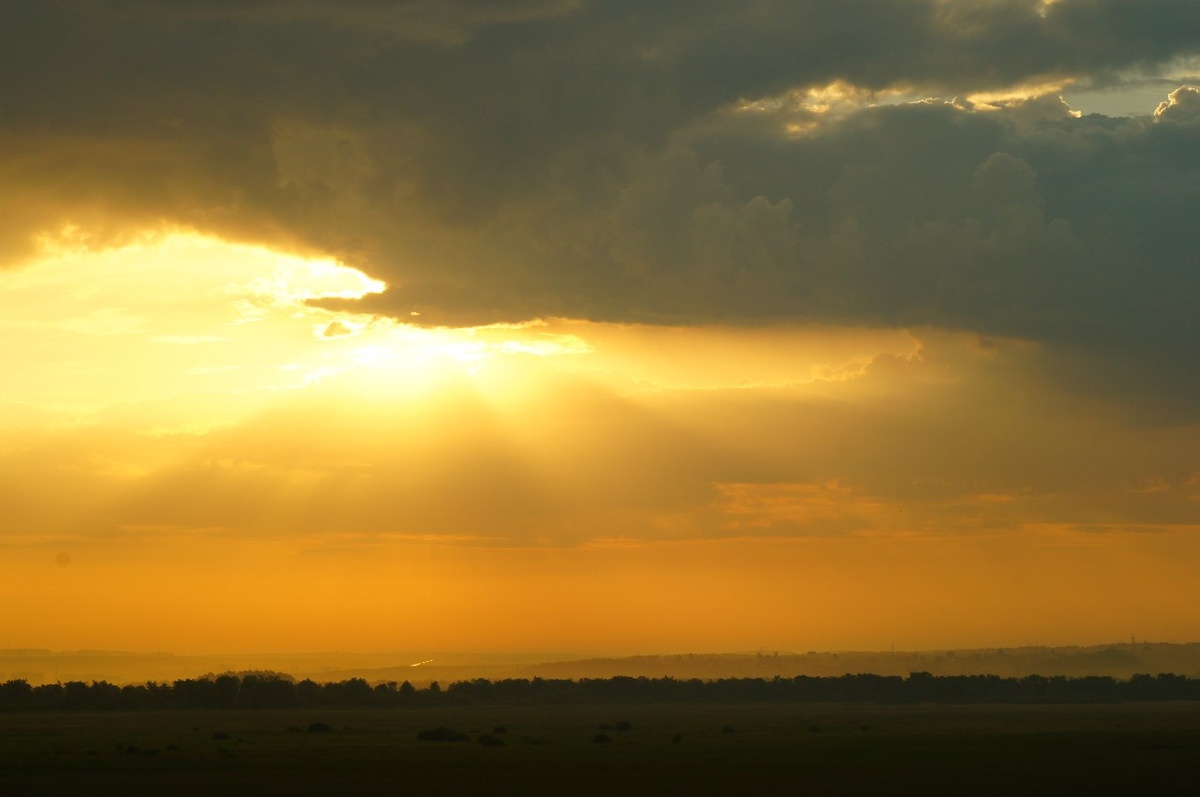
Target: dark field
{"x": 1120, "y": 749}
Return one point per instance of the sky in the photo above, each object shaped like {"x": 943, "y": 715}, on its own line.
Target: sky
{"x": 598, "y": 327}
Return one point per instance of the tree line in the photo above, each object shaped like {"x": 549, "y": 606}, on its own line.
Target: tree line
{"x": 257, "y": 690}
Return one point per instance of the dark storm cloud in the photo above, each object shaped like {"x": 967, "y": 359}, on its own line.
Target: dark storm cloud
{"x": 507, "y": 160}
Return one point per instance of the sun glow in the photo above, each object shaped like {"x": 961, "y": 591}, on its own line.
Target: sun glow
{"x": 213, "y": 423}
{"x": 177, "y": 317}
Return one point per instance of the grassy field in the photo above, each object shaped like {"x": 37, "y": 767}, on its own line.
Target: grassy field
{"x": 1144, "y": 749}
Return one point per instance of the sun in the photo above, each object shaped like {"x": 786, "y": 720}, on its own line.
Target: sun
{"x": 182, "y": 331}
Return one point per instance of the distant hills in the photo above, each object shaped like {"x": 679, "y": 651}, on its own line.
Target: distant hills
{"x": 1121, "y": 660}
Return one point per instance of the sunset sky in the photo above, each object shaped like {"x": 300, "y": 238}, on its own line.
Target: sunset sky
{"x": 598, "y": 327}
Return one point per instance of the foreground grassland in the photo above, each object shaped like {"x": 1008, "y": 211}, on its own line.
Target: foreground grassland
{"x": 818, "y": 749}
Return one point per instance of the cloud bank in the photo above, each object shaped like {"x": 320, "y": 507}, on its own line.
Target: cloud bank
{"x": 681, "y": 163}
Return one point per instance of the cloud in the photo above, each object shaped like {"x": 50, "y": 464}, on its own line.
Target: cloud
{"x": 1181, "y": 106}
{"x": 620, "y": 162}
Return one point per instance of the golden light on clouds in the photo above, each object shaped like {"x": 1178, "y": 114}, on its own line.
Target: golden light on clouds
{"x": 267, "y": 467}
{"x": 175, "y": 314}
{"x": 178, "y": 317}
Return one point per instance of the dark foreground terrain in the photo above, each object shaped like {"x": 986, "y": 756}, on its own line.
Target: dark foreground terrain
{"x": 610, "y": 749}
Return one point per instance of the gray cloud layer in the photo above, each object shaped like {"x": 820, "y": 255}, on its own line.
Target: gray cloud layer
{"x": 507, "y": 160}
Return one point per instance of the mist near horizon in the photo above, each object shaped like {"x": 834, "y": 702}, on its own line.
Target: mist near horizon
{"x": 421, "y": 668}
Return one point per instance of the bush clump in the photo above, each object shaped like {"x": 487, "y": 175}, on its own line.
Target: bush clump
{"x": 442, "y": 734}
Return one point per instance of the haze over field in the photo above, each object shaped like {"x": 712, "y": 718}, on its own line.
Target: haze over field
{"x": 598, "y": 327}
{"x": 421, "y": 668}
